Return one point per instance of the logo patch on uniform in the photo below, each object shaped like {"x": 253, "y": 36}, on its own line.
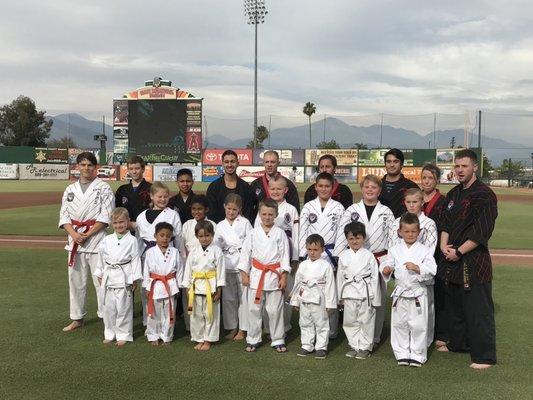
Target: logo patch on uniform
{"x": 257, "y": 191}
{"x": 70, "y": 196}
{"x": 287, "y": 218}
{"x": 312, "y": 218}
{"x": 450, "y": 205}
{"x": 354, "y": 216}
{"x": 124, "y": 200}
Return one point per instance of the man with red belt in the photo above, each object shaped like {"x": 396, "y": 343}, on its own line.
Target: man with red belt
{"x": 85, "y": 212}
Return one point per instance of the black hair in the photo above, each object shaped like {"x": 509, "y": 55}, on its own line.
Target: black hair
{"x": 326, "y": 176}
{"x": 164, "y": 225}
{"x": 435, "y": 171}
{"x": 396, "y": 153}
{"x": 409, "y": 219}
{"x": 333, "y": 159}
{"x": 355, "y": 228}
{"x": 183, "y": 171}
{"x": 137, "y": 160}
{"x": 200, "y": 199}
{"x": 229, "y": 152}
{"x": 315, "y": 238}
{"x": 467, "y": 153}
{"x": 87, "y": 155}
{"x": 206, "y": 226}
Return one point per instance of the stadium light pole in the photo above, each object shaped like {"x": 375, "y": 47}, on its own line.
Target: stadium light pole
{"x": 255, "y": 11}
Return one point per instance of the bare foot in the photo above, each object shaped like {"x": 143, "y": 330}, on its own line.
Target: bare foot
{"x": 198, "y": 346}
{"x": 443, "y": 349}
{"x": 155, "y": 343}
{"x": 206, "y": 346}
{"x": 73, "y": 326}
{"x": 241, "y": 335}
{"x": 439, "y": 343}
{"x": 231, "y": 334}
{"x": 480, "y": 366}
{"x": 121, "y": 343}
{"x": 107, "y": 341}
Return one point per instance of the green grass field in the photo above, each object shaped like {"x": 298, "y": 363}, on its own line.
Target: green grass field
{"x": 40, "y": 362}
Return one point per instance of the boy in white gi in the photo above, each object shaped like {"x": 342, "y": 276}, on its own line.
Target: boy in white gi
{"x": 204, "y": 278}
{"x": 414, "y": 202}
{"x": 147, "y": 221}
{"x": 359, "y": 292}
{"x": 229, "y": 236}
{"x": 119, "y": 270}
{"x": 314, "y": 294}
{"x": 377, "y": 218}
{"x": 322, "y": 216}
{"x": 199, "y": 210}
{"x": 289, "y": 222}
{"x": 264, "y": 265}
{"x": 85, "y": 213}
{"x": 413, "y": 266}
{"x": 163, "y": 270}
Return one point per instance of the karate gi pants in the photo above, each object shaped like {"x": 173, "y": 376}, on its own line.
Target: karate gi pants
{"x": 287, "y": 308}
{"x": 314, "y": 326}
{"x": 409, "y": 328}
{"x": 201, "y": 329}
{"x": 380, "y": 311}
{"x": 158, "y": 325}
{"x": 85, "y": 264}
{"x": 442, "y": 311}
{"x": 118, "y": 313}
{"x": 234, "y": 303}
{"x": 272, "y": 302}
{"x": 359, "y": 323}
{"x": 473, "y": 328}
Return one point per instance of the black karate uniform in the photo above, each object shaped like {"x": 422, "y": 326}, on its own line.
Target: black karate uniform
{"x": 341, "y": 193}
{"x": 183, "y": 208}
{"x": 135, "y": 200}
{"x": 259, "y": 192}
{"x": 217, "y": 192}
{"x": 471, "y": 214}
{"x": 392, "y": 194}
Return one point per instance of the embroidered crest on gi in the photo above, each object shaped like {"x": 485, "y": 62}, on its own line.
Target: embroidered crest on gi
{"x": 124, "y": 200}
{"x": 70, "y": 196}
{"x": 287, "y": 218}
{"x": 450, "y": 205}
{"x": 312, "y": 218}
{"x": 257, "y": 191}
{"x": 355, "y": 216}
{"x": 384, "y": 223}
{"x": 334, "y": 221}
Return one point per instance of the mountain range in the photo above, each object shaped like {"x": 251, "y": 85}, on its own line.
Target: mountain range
{"x": 82, "y": 132}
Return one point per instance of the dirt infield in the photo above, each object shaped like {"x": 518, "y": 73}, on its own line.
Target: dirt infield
{"x": 30, "y": 199}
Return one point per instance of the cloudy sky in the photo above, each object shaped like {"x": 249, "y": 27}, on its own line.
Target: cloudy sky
{"x": 347, "y": 56}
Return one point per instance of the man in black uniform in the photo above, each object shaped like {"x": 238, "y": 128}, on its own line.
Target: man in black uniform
{"x": 341, "y": 193}
{"x": 260, "y": 185}
{"x": 467, "y": 225}
{"x": 135, "y": 195}
{"x": 229, "y": 182}
{"x": 394, "y": 183}
{"x": 181, "y": 202}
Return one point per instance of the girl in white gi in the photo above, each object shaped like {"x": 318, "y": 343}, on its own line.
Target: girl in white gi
{"x": 199, "y": 210}
{"x": 359, "y": 293}
{"x": 377, "y": 218}
{"x": 322, "y": 216}
{"x": 229, "y": 236}
{"x": 314, "y": 294}
{"x": 204, "y": 278}
{"x": 148, "y": 219}
{"x": 162, "y": 272}
{"x": 119, "y": 270}
{"x": 264, "y": 265}
{"x": 85, "y": 213}
{"x": 413, "y": 266}
{"x": 414, "y": 201}
{"x": 289, "y": 222}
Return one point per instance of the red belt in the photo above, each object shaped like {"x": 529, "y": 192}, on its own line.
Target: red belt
{"x": 162, "y": 278}
{"x": 380, "y": 254}
{"x": 264, "y": 269}
{"x": 76, "y": 225}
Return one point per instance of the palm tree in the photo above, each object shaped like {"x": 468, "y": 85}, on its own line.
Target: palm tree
{"x": 309, "y": 109}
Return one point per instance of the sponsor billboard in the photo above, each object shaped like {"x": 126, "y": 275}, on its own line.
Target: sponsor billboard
{"x": 251, "y": 173}
{"x": 412, "y": 173}
{"x": 168, "y": 173}
{"x": 51, "y": 156}
{"x": 214, "y": 156}
{"x": 73, "y": 153}
{"x": 211, "y": 173}
{"x": 124, "y": 176}
{"x": 286, "y": 157}
{"x": 104, "y": 172}
{"x": 343, "y": 174}
{"x": 343, "y": 156}
{"x": 44, "y": 171}
{"x": 9, "y": 171}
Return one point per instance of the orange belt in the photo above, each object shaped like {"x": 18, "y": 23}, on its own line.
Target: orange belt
{"x": 264, "y": 269}
{"x": 76, "y": 225}
{"x": 162, "y": 278}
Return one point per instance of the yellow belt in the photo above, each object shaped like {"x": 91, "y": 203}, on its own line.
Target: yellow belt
{"x": 205, "y": 276}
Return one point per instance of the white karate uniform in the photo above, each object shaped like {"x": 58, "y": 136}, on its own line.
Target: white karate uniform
{"x": 96, "y": 203}
{"x": 200, "y": 260}
{"x": 119, "y": 267}
{"x": 358, "y": 287}
{"x": 428, "y": 236}
{"x": 159, "y": 325}
{"x": 409, "y": 319}
{"x": 377, "y": 239}
{"x": 314, "y": 293}
{"x": 230, "y": 238}
{"x": 267, "y": 248}
{"x": 189, "y": 237}
{"x": 145, "y": 233}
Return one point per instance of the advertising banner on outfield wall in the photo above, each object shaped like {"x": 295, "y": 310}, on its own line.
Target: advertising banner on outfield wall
{"x": 250, "y": 173}
{"x": 168, "y": 173}
{"x": 342, "y": 174}
{"x": 51, "y": 156}
{"x": 43, "y": 171}
{"x": 286, "y": 157}
{"x": 211, "y": 173}
{"x": 9, "y": 171}
{"x": 73, "y": 153}
{"x": 104, "y": 172}
{"x": 124, "y": 176}
{"x": 412, "y": 173}
{"x": 214, "y": 156}
{"x": 343, "y": 156}
{"x": 375, "y": 157}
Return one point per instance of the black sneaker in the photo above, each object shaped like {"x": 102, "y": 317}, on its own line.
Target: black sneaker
{"x": 320, "y": 354}
{"x": 303, "y": 352}
{"x": 414, "y": 363}
{"x": 404, "y": 362}
{"x": 362, "y": 354}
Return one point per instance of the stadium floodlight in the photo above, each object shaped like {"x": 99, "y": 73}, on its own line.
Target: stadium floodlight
{"x": 255, "y": 11}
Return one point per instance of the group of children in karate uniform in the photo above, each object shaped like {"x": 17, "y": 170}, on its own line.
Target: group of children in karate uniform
{"x": 325, "y": 259}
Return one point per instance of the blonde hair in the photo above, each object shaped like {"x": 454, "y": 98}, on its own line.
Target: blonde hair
{"x": 156, "y": 186}
{"x": 277, "y": 179}
{"x": 414, "y": 192}
{"x": 119, "y": 212}
{"x": 372, "y": 178}
{"x": 233, "y": 198}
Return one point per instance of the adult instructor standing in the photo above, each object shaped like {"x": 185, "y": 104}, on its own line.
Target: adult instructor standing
{"x": 467, "y": 226}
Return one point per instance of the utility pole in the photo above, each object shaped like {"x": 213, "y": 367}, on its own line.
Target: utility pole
{"x": 479, "y": 129}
